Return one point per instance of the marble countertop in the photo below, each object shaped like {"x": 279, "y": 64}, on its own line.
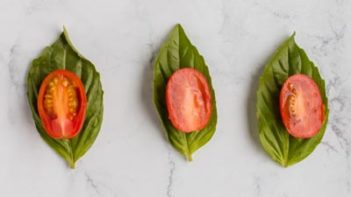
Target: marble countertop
{"x": 131, "y": 157}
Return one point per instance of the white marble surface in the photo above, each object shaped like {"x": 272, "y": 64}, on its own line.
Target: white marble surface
{"x": 131, "y": 156}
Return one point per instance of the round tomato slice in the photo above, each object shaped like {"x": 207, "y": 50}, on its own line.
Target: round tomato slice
{"x": 188, "y": 100}
{"x": 62, "y": 104}
{"x": 301, "y": 106}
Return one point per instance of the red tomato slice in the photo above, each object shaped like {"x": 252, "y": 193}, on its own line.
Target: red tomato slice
{"x": 301, "y": 106}
{"x": 188, "y": 100}
{"x": 62, "y": 104}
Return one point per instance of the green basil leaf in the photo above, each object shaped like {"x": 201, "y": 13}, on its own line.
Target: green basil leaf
{"x": 283, "y": 148}
{"x": 178, "y": 52}
{"x": 62, "y": 55}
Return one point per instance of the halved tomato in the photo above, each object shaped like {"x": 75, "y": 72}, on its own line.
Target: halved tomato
{"x": 62, "y": 104}
{"x": 188, "y": 100}
{"x": 301, "y": 106}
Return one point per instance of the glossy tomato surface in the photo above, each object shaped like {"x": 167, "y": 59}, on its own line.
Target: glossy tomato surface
{"x": 62, "y": 104}
{"x": 301, "y": 106}
{"x": 188, "y": 100}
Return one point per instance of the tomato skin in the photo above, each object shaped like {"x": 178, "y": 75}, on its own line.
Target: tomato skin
{"x": 62, "y": 104}
{"x": 301, "y": 106}
{"x": 188, "y": 100}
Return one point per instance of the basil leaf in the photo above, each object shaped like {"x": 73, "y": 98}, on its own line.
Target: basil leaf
{"x": 178, "y": 52}
{"x": 283, "y": 148}
{"x": 62, "y": 55}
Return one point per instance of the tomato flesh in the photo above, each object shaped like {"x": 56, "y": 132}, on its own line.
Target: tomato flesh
{"x": 301, "y": 106}
{"x": 188, "y": 100}
{"x": 62, "y": 104}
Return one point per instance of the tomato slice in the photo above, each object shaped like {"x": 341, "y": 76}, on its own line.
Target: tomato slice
{"x": 301, "y": 106}
{"x": 62, "y": 104}
{"x": 188, "y": 100}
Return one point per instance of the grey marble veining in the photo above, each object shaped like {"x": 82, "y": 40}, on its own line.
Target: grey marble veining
{"x": 131, "y": 156}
